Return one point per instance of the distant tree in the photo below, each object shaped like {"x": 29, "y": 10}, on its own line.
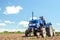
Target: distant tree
{"x": 5, "y": 31}
{"x": 18, "y": 32}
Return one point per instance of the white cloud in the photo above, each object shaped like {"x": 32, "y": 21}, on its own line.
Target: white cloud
{"x": 24, "y": 23}
{"x": 57, "y": 30}
{"x": 9, "y": 22}
{"x": 22, "y": 30}
{"x": 12, "y": 30}
{"x": 33, "y": 18}
{"x": 2, "y": 24}
{"x": 0, "y": 8}
{"x": 12, "y": 9}
{"x": 58, "y": 24}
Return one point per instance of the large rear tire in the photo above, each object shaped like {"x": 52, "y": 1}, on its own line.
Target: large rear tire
{"x": 51, "y": 32}
{"x": 43, "y": 31}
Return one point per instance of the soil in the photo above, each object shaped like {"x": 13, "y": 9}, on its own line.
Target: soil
{"x": 22, "y": 37}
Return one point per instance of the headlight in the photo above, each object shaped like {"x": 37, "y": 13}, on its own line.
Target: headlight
{"x": 32, "y": 24}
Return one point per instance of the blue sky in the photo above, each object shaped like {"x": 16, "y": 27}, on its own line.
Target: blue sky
{"x": 15, "y": 14}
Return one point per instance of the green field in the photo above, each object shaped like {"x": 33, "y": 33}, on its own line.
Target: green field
{"x": 6, "y": 32}
{"x": 18, "y": 32}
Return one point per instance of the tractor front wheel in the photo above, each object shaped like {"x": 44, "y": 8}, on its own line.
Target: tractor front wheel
{"x": 27, "y": 32}
{"x": 35, "y": 31}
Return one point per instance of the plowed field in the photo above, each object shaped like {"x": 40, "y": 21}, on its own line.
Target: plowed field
{"x": 21, "y": 37}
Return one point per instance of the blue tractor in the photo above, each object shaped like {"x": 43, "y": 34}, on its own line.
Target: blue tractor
{"x": 35, "y": 27}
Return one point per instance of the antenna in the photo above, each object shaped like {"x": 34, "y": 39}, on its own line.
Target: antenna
{"x": 32, "y": 15}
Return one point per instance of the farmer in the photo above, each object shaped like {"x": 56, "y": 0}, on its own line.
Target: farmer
{"x": 42, "y": 21}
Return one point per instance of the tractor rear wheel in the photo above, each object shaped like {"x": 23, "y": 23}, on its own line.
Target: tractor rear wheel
{"x": 43, "y": 32}
{"x": 51, "y": 32}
